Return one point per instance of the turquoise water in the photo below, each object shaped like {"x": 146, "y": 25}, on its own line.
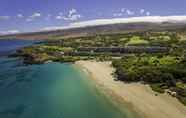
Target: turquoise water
{"x": 49, "y": 91}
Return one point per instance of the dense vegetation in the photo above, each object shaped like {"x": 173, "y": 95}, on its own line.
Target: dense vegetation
{"x": 165, "y": 71}
{"x": 118, "y": 40}
{"x": 41, "y": 53}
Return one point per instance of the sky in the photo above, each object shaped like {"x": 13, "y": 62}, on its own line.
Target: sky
{"x": 35, "y": 15}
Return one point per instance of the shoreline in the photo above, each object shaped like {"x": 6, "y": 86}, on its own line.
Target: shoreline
{"x": 137, "y": 97}
{"x": 117, "y": 101}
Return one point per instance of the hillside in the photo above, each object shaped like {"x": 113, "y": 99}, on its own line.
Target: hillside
{"x": 101, "y": 29}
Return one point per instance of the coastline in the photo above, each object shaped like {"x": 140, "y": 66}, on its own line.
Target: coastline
{"x": 122, "y": 106}
{"x": 140, "y": 98}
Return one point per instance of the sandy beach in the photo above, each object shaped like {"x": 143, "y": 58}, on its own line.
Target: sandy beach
{"x": 141, "y": 97}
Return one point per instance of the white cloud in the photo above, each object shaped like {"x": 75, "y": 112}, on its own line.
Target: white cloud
{"x": 148, "y": 13}
{"x": 72, "y": 15}
{"x": 117, "y": 14}
{"x": 157, "y": 19}
{"x": 59, "y": 17}
{"x": 120, "y": 13}
{"x": 4, "y": 17}
{"x": 34, "y": 15}
{"x": 29, "y": 19}
{"x": 123, "y": 9}
{"x": 72, "y": 11}
{"x": 9, "y": 32}
{"x": 151, "y": 19}
{"x": 142, "y": 11}
{"x": 20, "y": 15}
{"x": 129, "y": 12}
{"x": 53, "y": 28}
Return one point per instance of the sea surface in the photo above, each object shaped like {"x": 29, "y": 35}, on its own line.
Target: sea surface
{"x": 50, "y": 90}
{"x": 8, "y": 46}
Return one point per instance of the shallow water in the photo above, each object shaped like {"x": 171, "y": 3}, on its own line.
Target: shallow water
{"x": 50, "y": 91}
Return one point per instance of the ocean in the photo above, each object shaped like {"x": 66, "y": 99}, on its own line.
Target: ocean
{"x": 52, "y": 90}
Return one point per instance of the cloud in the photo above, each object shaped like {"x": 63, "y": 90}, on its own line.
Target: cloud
{"x": 72, "y": 11}
{"x": 123, "y": 9}
{"x": 142, "y": 11}
{"x": 129, "y": 12}
{"x": 4, "y": 17}
{"x": 117, "y": 14}
{"x": 148, "y": 13}
{"x": 59, "y": 17}
{"x": 72, "y": 15}
{"x": 29, "y": 19}
{"x": 9, "y": 32}
{"x": 151, "y": 19}
{"x": 35, "y": 15}
{"x": 20, "y": 15}
{"x": 53, "y": 28}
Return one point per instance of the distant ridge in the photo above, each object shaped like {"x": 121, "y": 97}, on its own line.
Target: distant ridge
{"x": 108, "y": 26}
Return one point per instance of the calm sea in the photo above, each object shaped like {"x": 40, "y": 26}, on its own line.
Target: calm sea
{"x": 48, "y": 91}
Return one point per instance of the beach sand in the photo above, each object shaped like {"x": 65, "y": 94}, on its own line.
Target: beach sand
{"x": 139, "y": 96}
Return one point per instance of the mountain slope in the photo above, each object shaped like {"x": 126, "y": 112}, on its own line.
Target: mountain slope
{"x": 102, "y": 29}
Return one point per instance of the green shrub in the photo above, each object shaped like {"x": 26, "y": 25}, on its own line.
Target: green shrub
{"x": 157, "y": 88}
{"x": 136, "y": 40}
{"x": 182, "y": 99}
